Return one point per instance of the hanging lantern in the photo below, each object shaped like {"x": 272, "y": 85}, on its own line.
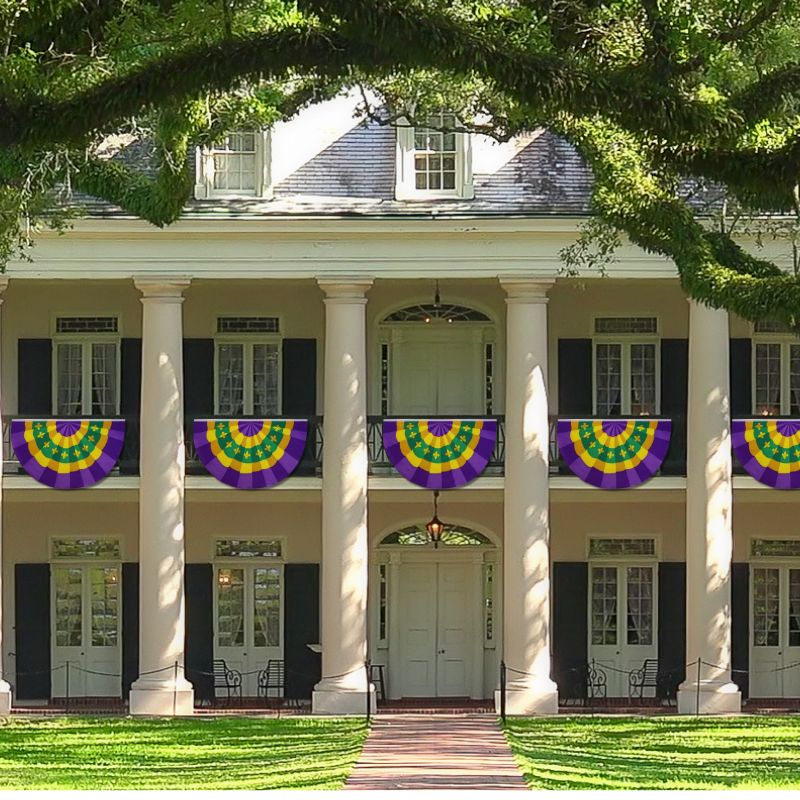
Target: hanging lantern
{"x": 435, "y": 527}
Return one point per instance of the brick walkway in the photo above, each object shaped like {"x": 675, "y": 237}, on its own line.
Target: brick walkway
{"x": 423, "y": 751}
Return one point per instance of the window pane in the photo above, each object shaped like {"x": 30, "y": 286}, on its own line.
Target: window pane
{"x": 435, "y": 156}
{"x": 249, "y": 548}
{"x": 766, "y": 607}
{"x": 230, "y": 379}
{"x": 640, "y": 605}
{"x": 794, "y": 608}
{"x": 643, "y": 379}
{"x": 488, "y": 601}
{"x": 85, "y": 548}
{"x": 604, "y": 605}
{"x": 230, "y": 607}
{"x": 609, "y": 379}
{"x": 265, "y": 379}
{"x": 104, "y": 379}
{"x": 267, "y": 599}
{"x": 768, "y": 378}
{"x": 235, "y": 163}
{"x": 69, "y": 610}
{"x": 794, "y": 379}
{"x": 69, "y": 380}
{"x": 105, "y": 606}
{"x": 383, "y": 598}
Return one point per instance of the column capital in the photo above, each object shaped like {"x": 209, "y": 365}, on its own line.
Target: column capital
{"x": 163, "y": 288}
{"x": 525, "y": 289}
{"x": 345, "y": 288}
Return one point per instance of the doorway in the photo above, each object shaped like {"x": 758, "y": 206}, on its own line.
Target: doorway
{"x": 622, "y": 620}
{"x": 86, "y": 635}
{"x": 775, "y": 630}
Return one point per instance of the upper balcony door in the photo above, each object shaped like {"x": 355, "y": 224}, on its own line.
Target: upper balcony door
{"x": 437, "y": 373}
{"x": 437, "y": 360}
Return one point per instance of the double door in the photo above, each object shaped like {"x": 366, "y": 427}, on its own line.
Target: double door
{"x": 775, "y": 626}
{"x": 437, "y": 372}
{"x": 622, "y": 621}
{"x": 437, "y": 630}
{"x": 86, "y": 636}
{"x": 248, "y": 628}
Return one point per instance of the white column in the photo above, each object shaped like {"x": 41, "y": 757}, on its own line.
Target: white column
{"x": 526, "y": 551}
{"x": 5, "y": 689}
{"x": 709, "y": 538}
{"x": 344, "y": 501}
{"x": 161, "y": 689}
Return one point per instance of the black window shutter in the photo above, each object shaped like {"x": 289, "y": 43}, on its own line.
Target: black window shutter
{"x": 200, "y": 629}
{"x": 35, "y": 376}
{"x": 740, "y": 626}
{"x": 741, "y": 377}
{"x": 198, "y": 377}
{"x": 299, "y": 377}
{"x": 671, "y": 627}
{"x": 130, "y": 626}
{"x": 574, "y": 377}
{"x": 32, "y": 626}
{"x": 301, "y": 628}
{"x": 674, "y": 393}
{"x": 130, "y": 394}
{"x": 570, "y": 626}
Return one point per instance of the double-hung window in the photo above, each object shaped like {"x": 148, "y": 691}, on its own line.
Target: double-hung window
{"x": 236, "y": 166}
{"x": 626, "y": 366}
{"x": 776, "y": 370}
{"x": 248, "y": 366}
{"x": 434, "y": 160}
{"x": 86, "y": 366}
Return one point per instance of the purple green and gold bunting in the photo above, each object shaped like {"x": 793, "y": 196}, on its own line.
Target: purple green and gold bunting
{"x": 67, "y": 453}
{"x": 439, "y": 453}
{"x": 250, "y": 453}
{"x": 769, "y": 450}
{"x": 614, "y": 453}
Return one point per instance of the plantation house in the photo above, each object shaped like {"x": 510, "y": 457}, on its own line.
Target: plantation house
{"x": 341, "y": 274}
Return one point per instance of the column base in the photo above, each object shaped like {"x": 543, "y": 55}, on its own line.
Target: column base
{"x": 715, "y": 697}
{"x": 5, "y": 699}
{"x": 342, "y": 701}
{"x": 162, "y": 698}
{"x": 531, "y": 699}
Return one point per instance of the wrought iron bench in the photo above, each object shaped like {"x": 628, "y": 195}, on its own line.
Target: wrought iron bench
{"x": 228, "y": 679}
{"x": 272, "y": 677}
{"x": 646, "y": 677}
{"x": 596, "y": 683}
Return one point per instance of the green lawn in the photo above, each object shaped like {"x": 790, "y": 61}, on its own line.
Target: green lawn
{"x": 658, "y": 752}
{"x": 222, "y": 753}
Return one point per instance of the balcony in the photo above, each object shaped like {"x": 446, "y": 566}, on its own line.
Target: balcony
{"x": 311, "y": 464}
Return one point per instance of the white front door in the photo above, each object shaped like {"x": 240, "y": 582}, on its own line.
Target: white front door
{"x": 436, "y": 638}
{"x": 248, "y": 620}
{"x": 437, "y": 372}
{"x": 86, "y": 631}
{"x": 775, "y": 626}
{"x": 622, "y": 631}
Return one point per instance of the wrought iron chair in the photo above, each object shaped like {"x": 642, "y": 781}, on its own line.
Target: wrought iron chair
{"x": 646, "y": 677}
{"x": 228, "y": 679}
{"x": 272, "y": 677}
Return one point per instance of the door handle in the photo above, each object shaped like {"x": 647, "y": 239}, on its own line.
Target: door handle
{"x": 441, "y": 652}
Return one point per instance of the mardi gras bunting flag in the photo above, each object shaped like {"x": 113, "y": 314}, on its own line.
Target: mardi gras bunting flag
{"x": 250, "y": 453}
{"x": 67, "y": 453}
{"x": 614, "y": 453}
{"x": 769, "y": 450}
{"x": 439, "y": 453}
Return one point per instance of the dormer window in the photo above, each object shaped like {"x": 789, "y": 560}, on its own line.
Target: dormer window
{"x": 237, "y": 166}
{"x": 434, "y": 160}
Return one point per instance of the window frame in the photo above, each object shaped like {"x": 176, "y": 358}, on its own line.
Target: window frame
{"x": 405, "y": 187}
{"x": 86, "y": 340}
{"x": 248, "y": 341}
{"x": 625, "y": 340}
{"x": 204, "y": 170}
{"x": 785, "y": 341}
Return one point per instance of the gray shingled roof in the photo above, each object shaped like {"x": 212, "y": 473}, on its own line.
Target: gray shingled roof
{"x": 355, "y": 176}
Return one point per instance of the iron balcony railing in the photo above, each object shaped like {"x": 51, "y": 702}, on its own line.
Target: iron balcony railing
{"x": 311, "y": 464}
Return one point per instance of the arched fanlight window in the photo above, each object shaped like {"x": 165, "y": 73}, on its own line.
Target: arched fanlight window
{"x": 453, "y": 536}
{"x": 427, "y": 312}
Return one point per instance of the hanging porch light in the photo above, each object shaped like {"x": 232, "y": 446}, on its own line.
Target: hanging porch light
{"x": 435, "y": 527}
